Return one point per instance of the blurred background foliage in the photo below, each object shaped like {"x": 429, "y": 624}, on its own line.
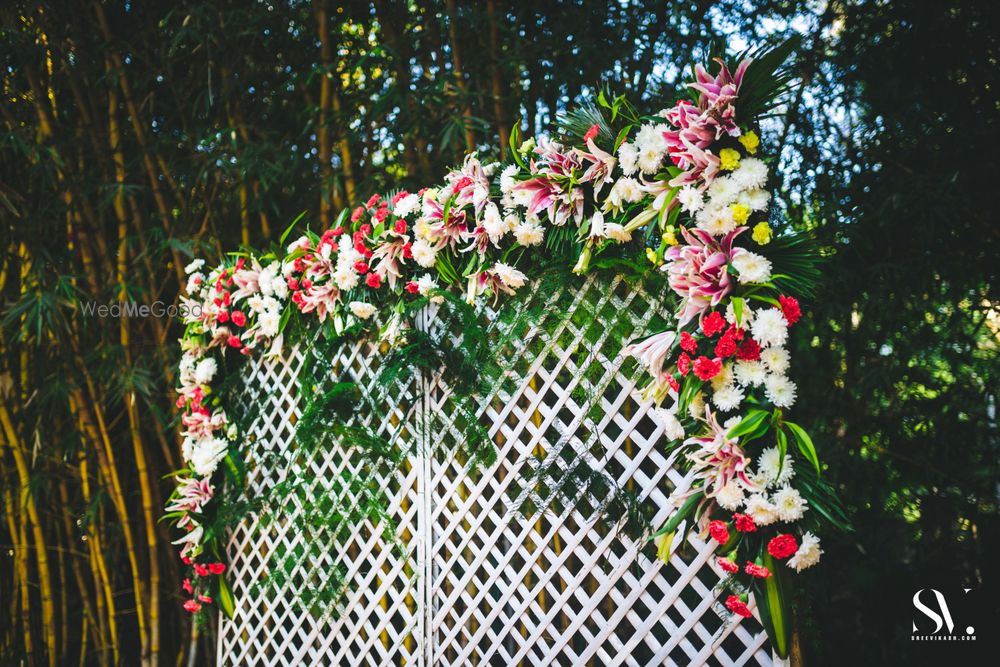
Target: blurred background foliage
{"x": 136, "y": 135}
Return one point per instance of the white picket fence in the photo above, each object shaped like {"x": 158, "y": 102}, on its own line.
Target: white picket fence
{"x": 468, "y": 580}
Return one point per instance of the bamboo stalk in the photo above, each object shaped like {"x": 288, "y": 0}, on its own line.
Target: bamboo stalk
{"x": 503, "y": 126}
{"x": 456, "y": 69}
{"x": 321, "y": 10}
{"x": 99, "y": 567}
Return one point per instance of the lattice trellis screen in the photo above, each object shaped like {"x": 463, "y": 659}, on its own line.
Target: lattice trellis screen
{"x": 466, "y": 579}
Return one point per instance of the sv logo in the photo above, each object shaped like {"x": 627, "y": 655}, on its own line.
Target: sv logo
{"x": 940, "y": 614}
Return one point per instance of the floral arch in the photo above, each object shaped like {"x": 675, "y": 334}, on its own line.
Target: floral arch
{"x": 685, "y": 189}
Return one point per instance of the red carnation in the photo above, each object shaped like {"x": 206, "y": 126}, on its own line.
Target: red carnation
{"x": 407, "y": 251}
{"x": 205, "y": 598}
{"x": 200, "y": 570}
{"x": 674, "y": 384}
{"x": 185, "y": 560}
{"x": 749, "y": 350}
{"x": 706, "y": 368}
{"x": 373, "y": 280}
{"x": 727, "y": 565}
{"x": 688, "y": 342}
{"x": 239, "y": 319}
{"x": 223, "y": 316}
{"x": 744, "y": 523}
{"x": 306, "y": 284}
{"x": 737, "y": 606}
{"x": 713, "y": 323}
{"x": 357, "y": 213}
{"x": 293, "y": 284}
{"x": 364, "y": 230}
{"x": 684, "y": 363}
{"x": 400, "y": 226}
{"x": 216, "y": 568}
{"x": 372, "y": 201}
{"x": 735, "y": 332}
{"x": 592, "y": 132}
{"x": 719, "y": 531}
{"x": 758, "y": 571}
{"x": 725, "y": 347}
{"x": 790, "y": 309}
{"x": 361, "y": 267}
{"x": 782, "y": 546}
{"x": 192, "y": 606}
{"x": 234, "y": 341}
{"x": 337, "y": 231}
{"x": 412, "y": 287}
{"x": 381, "y": 213}
{"x": 399, "y": 195}
{"x": 188, "y": 588}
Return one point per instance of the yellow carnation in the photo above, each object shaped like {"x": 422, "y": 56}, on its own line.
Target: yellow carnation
{"x": 741, "y": 212}
{"x": 668, "y": 236}
{"x": 729, "y": 159}
{"x": 762, "y": 233}
{"x": 750, "y": 141}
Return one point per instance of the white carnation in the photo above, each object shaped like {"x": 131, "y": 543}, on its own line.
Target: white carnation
{"x": 716, "y": 220}
{"x": 269, "y": 322}
{"x": 362, "y": 310}
{"x": 752, "y": 268}
{"x": 722, "y": 192}
{"x": 494, "y": 225}
{"x": 789, "y": 504}
{"x": 206, "y": 454}
{"x": 510, "y": 276}
{"x": 770, "y": 328}
{"x": 424, "y": 253}
{"x": 672, "y": 427}
{"x": 406, "y": 206}
{"x": 205, "y": 370}
{"x": 808, "y": 553}
{"x": 507, "y": 180}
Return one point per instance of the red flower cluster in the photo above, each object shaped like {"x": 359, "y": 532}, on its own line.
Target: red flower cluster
{"x": 790, "y": 309}
{"x": 758, "y": 571}
{"x": 719, "y": 531}
{"x": 782, "y": 546}
{"x": 706, "y": 368}
{"x": 744, "y": 523}
{"x": 738, "y": 606}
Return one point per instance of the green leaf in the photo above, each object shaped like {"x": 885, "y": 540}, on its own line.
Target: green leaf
{"x": 226, "y": 602}
{"x": 622, "y": 136}
{"x": 748, "y": 423}
{"x": 805, "y": 444}
{"x": 782, "y": 449}
{"x": 284, "y": 235}
{"x": 678, "y": 516}
{"x": 773, "y": 605}
{"x": 236, "y": 467}
{"x": 738, "y": 303}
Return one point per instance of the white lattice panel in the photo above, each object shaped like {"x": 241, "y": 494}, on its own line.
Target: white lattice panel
{"x": 479, "y": 583}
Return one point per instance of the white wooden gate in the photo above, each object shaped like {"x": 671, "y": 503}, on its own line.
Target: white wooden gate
{"x": 468, "y": 580}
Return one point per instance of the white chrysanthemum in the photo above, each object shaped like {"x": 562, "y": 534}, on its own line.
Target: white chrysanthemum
{"x": 494, "y": 225}
{"x": 346, "y": 278}
{"x": 768, "y": 466}
{"x": 256, "y": 303}
{"x": 270, "y": 303}
{"x": 696, "y": 408}
{"x": 728, "y": 397}
{"x": 755, "y": 200}
{"x": 425, "y": 284}
{"x": 280, "y": 288}
{"x": 722, "y": 192}
{"x": 750, "y": 373}
{"x": 422, "y": 229}
{"x": 194, "y": 283}
{"x": 206, "y": 454}
{"x": 776, "y": 359}
{"x": 510, "y": 276}
{"x": 730, "y": 497}
{"x": 406, "y": 206}
{"x": 194, "y": 265}
{"x": 507, "y": 180}
{"x": 625, "y": 189}
{"x": 326, "y": 250}
{"x": 616, "y": 232}
{"x": 188, "y": 363}
{"x": 807, "y": 555}
{"x": 770, "y": 328}
{"x": 650, "y": 138}
{"x": 522, "y": 197}
{"x": 752, "y": 268}
{"x": 761, "y": 510}
{"x": 751, "y": 174}
{"x": 424, "y": 253}
{"x": 780, "y": 391}
{"x": 628, "y": 158}
{"x": 649, "y": 160}
{"x": 724, "y": 377}
{"x": 362, "y": 310}
{"x": 717, "y": 221}
{"x": 731, "y": 423}
{"x": 205, "y": 370}
{"x": 301, "y": 242}
{"x": 267, "y": 278}
{"x": 789, "y": 504}
{"x": 269, "y": 322}
{"x": 671, "y": 425}
{"x": 529, "y": 233}
{"x": 690, "y": 199}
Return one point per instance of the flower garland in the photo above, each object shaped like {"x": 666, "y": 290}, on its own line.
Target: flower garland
{"x": 689, "y": 180}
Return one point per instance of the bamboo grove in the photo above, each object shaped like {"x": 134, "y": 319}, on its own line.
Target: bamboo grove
{"x": 135, "y": 135}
